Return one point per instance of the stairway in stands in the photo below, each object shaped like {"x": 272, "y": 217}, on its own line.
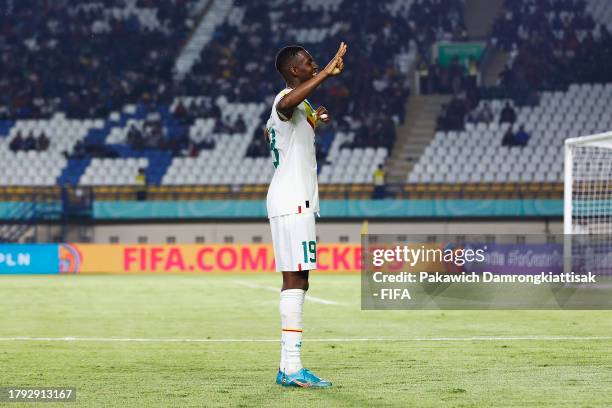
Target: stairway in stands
{"x": 480, "y": 15}
{"x": 214, "y": 14}
{"x": 415, "y": 135}
{"x": 494, "y": 67}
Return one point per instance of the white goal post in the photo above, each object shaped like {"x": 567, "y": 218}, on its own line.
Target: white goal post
{"x": 588, "y": 185}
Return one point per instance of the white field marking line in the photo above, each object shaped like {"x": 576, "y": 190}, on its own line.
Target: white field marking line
{"x": 330, "y": 340}
{"x": 277, "y": 290}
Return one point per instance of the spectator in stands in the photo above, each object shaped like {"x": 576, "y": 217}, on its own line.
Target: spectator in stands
{"x": 425, "y": 83}
{"x": 154, "y": 138}
{"x": 379, "y": 183}
{"x": 215, "y": 112}
{"x": 196, "y": 110}
{"x": 508, "y": 139}
{"x": 221, "y": 126}
{"x": 135, "y": 138}
{"x": 442, "y": 122}
{"x": 521, "y": 137}
{"x": 444, "y": 80}
{"x": 30, "y": 142}
{"x": 508, "y": 114}
{"x": 239, "y": 126}
{"x": 472, "y": 73}
{"x": 386, "y": 132}
{"x": 179, "y": 141}
{"x": 17, "y": 143}
{"x": 321, "y": 155}
{"x": 456, "y": 73}
{"x": 42, "y": 142}
{"x": 180, "y": 112}
{"x": 79, "y": 151}
{"x": 192, "y": 149}
{"x": 258, "y": 148}
{"x": 200, "y": 108}
{"x": 141, "y": 182}
{"x": 483, "y": 114}
{"x": 96, "y": 149}
{"x": 462, "y": 33}
{"x": 153, "y": 120}
{"x": 453, "y": 114}
{"x": 208, "y": 143}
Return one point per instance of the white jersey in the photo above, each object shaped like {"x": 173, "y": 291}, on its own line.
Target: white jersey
{"x": 294, "y": 188}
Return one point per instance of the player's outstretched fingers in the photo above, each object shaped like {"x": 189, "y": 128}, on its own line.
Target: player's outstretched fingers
{"x": 332, "y": 67}
{"x": 341, "y": 50}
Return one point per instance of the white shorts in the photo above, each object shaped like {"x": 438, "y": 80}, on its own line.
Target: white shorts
{"x": 295, "y": 242}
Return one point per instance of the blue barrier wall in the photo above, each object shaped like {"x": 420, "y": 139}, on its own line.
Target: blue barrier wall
{"x": 107, "y": 210}
{"x": 331, "y": 208}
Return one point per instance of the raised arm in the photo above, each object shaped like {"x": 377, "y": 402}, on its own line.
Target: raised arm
{"x": 286, "y": 105}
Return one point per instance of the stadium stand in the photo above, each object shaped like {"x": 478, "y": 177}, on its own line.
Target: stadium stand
{"x": 556, "y": 81}
{"x": 37, "y": 167}
{"x": 192, "y": 116}
{"x": 361, "y": 138}
{"x": 62, "y": 56}
{"x": 125, "y": 86}
{"x": 247, "y": 104}
{"x": 477, "y": 154}
{"x": 554, "y": 44}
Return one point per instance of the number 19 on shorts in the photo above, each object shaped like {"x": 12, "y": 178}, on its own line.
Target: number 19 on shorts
{"x": 310, "y": 251}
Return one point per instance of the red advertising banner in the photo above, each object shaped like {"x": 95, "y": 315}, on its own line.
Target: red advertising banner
{"x": 125, "y": 258}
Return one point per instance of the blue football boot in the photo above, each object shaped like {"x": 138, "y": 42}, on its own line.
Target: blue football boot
{"x": 304, "y": 379}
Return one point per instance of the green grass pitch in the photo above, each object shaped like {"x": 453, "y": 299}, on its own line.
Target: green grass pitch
{"x": 427, "y": 359}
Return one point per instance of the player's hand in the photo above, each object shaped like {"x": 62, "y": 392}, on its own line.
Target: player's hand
{"x": 336, "y": 65}
{"x": 322, "y": 114}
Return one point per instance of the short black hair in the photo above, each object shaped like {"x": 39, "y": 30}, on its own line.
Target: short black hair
{"x": 285, "y": 55}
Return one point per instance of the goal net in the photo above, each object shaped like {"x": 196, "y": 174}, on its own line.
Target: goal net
{"x": 588, "y": 185}
{"x": 587, "y": 215}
